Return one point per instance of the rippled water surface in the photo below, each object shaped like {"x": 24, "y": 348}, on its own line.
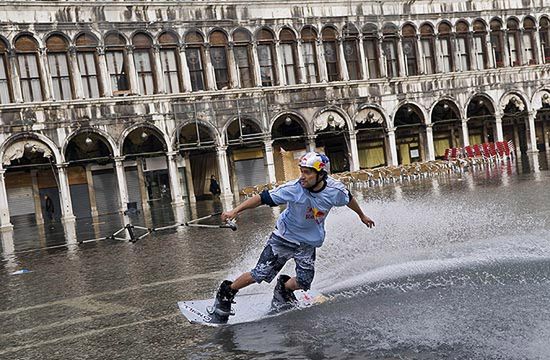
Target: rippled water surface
{"x": 456, "y": 267}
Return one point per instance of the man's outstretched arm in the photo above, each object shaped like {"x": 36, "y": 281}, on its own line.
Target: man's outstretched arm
{"x": 353, "y": 205}
{"x": 250, "y": 203}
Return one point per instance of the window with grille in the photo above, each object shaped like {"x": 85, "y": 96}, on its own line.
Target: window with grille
{"x": 61, "y": 80}
{"x": 463, "y": 54}
{"x": 289, "y": 63}
{"x": 194, "y": 62}
{"x": 243, "y": 63}
{"x": 265, "y": 58}
{"x": 29, "y": 77}
{"x": 144, "y": 69}
{"x": 169, "y": 64}
{"x": 116, "y": 67}
{"x": 428, "y": 54}
{"x": 371, "y": 52}
{"x": 390, "y": 50}
{"x": 218, "y": 56}
{"x": 4, "y": 81}
{"x": 352, "y": 59}
{"x": 331, "y": 58}
{"x": 446, "y": 61}
{"x": 310, "y": 62}
{"x": 88, "y": 73}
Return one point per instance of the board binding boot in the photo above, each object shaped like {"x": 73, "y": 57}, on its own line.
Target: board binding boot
{"x": 283, "y": 298}
{"x": 221, "y": 310}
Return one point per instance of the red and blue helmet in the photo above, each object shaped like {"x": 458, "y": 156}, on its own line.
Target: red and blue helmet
{"x": 316, "y": 161}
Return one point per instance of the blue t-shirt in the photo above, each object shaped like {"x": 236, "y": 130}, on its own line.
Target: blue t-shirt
{"x": 303, "y": 220}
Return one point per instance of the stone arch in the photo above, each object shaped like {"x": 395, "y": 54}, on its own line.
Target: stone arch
{"x": 160, "y": 134}
{"x": 58, "y": 156}
{"x": 363, "y": 115}
{"x": 419, "y": 110}
{"x": 118, "y": 34}
{"x": 220, "y": 29}
{"x": 248, "y": 118}
{"x": 260, "y": 30}
{"x": 38, "y": 41}
{"x": 485, "y": 96}
{"x": 540, "y": 98}
{"x": 109, "y": 140}
{"x": 91, "y": 33}
{"x": 408, "y": 23}
{"x": 448, "y": 99}
{"x": 340, "y": 119}
{"x": 170, "y": 32}
{"x": 442, "y": 23}
{"x": 247, "y": 34}
{"x": 134, "y": 33}
{"x": 194, "y": 31}
{"x": 301, "y": 120}
{"x": 60, "y": 34}
{"x": 514, "y": 95}
{"x": 213, "y": 131}
{"x": 289, "y": 28}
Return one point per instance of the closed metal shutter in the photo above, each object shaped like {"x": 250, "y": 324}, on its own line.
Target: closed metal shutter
{"x": 80, "y": 200}
{"x": 132, "y": 182}
{"x": 20, "y": 200}
{"x": 250, "y": 172}
{"x": 106, "y": 191}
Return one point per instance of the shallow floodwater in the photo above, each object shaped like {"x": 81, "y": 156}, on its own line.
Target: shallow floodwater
{"x": 457, "y": 267}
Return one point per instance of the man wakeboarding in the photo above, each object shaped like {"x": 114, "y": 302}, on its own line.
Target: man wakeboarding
{"x": 299, "y": 231}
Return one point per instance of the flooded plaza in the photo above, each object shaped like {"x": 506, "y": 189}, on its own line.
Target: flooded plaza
{"x": 457, "y": 267}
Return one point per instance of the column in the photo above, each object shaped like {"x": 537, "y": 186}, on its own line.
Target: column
{"x": 344, "y": 74}
{"x": 132, "y": 72}
{"x": 233, "y": 69}
{"x": 421, "y": 58}
{"x": 256, "y": 64}
{"x": 15, "y": 80}
{"x": 36, "y": 196}
{"x": 354, "y": 152}
{"x": 363, "y": 63}
{"x": 44, "y": 70}
{"x": 438, "y": 56}
{"x": 189, "y": 178}
{"x": 430, "y": 142}
{"x": 321, "y": 61}
{"x": 539, "y": 56}
{"x": 142, "y": 187}
{"x": 159, "y": 74}
{"x": 279, "y": 65}
{"x": 5, "y": 224}
{"x": 121, "y": 181}
{"x": 532, "y": 132}
{"x": 210, "y": 74}
{"x": 301, "y": 65}
{"x": 223, "y": 166}
{"x": 382, "y": 60}
{"x": 310, "y": 145}
{"x": 545, "y": 136}
{"x": 506, "y": 50}
{"x": 491, "y": 59}
{"x": 91, "y": 191}
{"x": 465, "y": 135}
{"x": 75, "y": 73}
{"x": 498, "y": 126}
{"x": 401, "y": 58}
{"x": 473, "y": 62}
{"x": 184, "y": 69}
{"x": 393, "y": 160}
{"x": 269, "y": 162}
{"x": 65, "y": 193}
{"x": 104, "y": 77}
{"x": 175, "y": 187}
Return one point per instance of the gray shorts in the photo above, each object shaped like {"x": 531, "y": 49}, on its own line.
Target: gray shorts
{"x": 277, "y": 252}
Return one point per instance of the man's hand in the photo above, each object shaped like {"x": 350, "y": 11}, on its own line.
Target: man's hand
{"x": 367, "y": 221}
{"x": 229, "y": 215}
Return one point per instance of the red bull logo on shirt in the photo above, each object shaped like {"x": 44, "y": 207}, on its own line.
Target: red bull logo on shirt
{"x": 315, "y": 214}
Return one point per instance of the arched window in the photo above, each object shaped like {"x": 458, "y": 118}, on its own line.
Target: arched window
{"x": 497, "y": 42}
{"x": 389, "y": 47}
{"x": 143, "y": 59}
{"x": 462, "y": 46}
{"x": 444, "y": 31}
{"x": 370, "y": 45}
{"x": 528, "y": 41}
{"x": 5, "y": 88}
{"x": 218, "y": 57}
{"x": 288, "y": 48}
{"x": 169, "y": 61}
{"x": 86, "y": 54}
{"x": 513, "y": 42}
{"x": 427, "y": 42}
{"x": 309, "y": 52}
{"x": 351, "y": 52}
{"x": 480, "y": 47}
{"x": 29, "y": 74}
{"x": 115, "y": 55}
{"x": 194, "y": 54}
{"x": 544, "y": 33}
{"x": 331, "y": 53}
{"x": 241, "y": 49}
{"x": 409, "y": 49}
{"x": 57, "y": 49}
{"x": 266, "y": 57}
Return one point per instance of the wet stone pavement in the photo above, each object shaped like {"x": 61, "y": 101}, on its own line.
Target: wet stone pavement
{"x": 457, "y": 267}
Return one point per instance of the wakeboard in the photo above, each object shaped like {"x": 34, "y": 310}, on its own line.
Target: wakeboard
{"x": 247, "y": 307}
